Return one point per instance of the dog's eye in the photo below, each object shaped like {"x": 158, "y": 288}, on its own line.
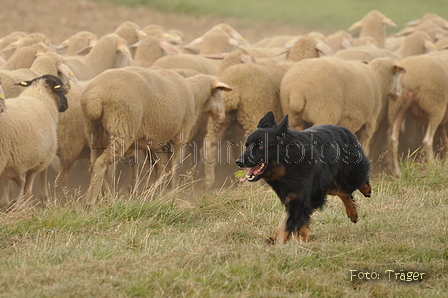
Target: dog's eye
{"x": 260, "y": 147}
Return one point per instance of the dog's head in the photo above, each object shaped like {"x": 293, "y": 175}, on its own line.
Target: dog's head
{"x": 261, "y": 154}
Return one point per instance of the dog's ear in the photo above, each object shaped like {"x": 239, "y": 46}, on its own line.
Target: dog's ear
{"x": 283, "y": 125}
{"x": 267, "y": 121}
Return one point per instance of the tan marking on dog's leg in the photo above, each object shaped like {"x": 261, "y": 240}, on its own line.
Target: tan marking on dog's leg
{"x": 280, "y": 235}
{"x": 366, "y": 189}
{"x": 350, "y": 207}
{"x": 304, "y": 232}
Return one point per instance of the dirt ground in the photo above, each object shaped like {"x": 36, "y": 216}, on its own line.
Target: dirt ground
{"x": 59, "y": 19}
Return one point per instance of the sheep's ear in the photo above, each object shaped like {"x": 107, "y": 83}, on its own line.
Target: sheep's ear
{"x": 24, "y": 83}
{"x": 283, "y": 125}
{"x": 399, "y": 69}
{"x": 268, "y": 121}
{"x": 221, "y": 86}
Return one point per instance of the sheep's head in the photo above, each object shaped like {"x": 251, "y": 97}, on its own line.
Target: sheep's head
{"x": 55, "y": 85}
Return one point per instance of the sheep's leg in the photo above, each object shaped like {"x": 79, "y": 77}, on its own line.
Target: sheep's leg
{"x": 43, "y": 189}
{"x": 444, "y": 136}
{"x": 29, "y": 181}
{"x": 365, "y": 136}
{"x": 210, "y": 149}
{"x": 428, "y": 140}
{"x": 4, "y": 196}
{"x": 394, "y": 137}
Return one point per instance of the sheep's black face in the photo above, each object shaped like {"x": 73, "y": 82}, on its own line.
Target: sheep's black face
{"x": 56, "y": 86}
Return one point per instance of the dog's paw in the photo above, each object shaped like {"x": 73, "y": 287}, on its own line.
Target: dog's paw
{"x": 271, "y": 241}
{"x": 354, "y": 218}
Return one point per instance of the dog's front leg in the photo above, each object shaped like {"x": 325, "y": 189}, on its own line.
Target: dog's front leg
{"x": 281, "y": 235}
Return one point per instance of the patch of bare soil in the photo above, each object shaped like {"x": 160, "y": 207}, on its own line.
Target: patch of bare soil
{"x": 59, "y": 19}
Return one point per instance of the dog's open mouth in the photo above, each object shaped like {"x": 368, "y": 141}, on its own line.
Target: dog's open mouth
{"x": 254, "y": 173}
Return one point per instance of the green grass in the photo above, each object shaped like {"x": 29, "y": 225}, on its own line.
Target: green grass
{"x": 163, "y": 246}
{"x": 328, "y": 15}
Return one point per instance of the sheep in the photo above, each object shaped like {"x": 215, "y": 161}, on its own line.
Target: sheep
{"x": 415, "y": 44}
{"x": 77, "y": 42}
{"x": 213, "y": 41}
{"x": 438, "y": 20}
{"x": 365, "y": 53}
{"x": 306, "y": 47}
{"x": 130, "y": 32}
{"x": 48, "y": 63}
{"x": 27, "y": 40}
{"x": 35, "y": 115}
{"x": 433, "y": 30}
{"x": 255, "y": 91}
{"x": 149, "y": 49}
{"x": 139, "y": 104}
{"x": 105, "y": 54}
{"x": 188, "y": 61}
{"x": 25, "y": 56}
{"x": 442, "y": 44}
{"x": 425, "y": 95}
{"x": 11, "y": 38}
{"x": 72, "y": 142}
{"x": 331, "y": 90}
{"x": 339, "y": 40}
{"x": 373, "y": 24}
{"x": 278, "y": 41}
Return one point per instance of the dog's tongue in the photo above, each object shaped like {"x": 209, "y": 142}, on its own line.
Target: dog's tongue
{"x": 250, "y": 171}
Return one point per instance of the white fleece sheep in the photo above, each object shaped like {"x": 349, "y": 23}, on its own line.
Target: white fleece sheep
{"x": 28, "y": 133}
{"x": 213, "y": 41}
{"x": 438, "y": 20}
{"x": 416, "y": 43}
{"x": 373, "y": 24}
{"x": 189, "y": 61}
{"x": 330, "y": 90}
{"x": 27, "y": 40}
{"x": 306, "y": 46}
{"x": 425, "y": 96}
{"x": 11, "y": 38}
{"x": 255, "y": 91}
{"x": 138, "y": 104}
{"x": 48, "y": 63}
{"x": 130, "y": 31}
{"x": 149, "y": 49}
{"x": 25, "y": 56}
{"x": 109, "y": 51}
{"x": 77, "y": 42}
{"x": 72, "y": 142}
{"x": 365, "y": 53}
{"x": 340, "y": 40}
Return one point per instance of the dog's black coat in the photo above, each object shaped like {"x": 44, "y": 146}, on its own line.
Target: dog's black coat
{"x": 301, "y": 166}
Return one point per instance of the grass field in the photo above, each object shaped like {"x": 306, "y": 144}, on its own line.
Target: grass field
{"x": 327, "y": 15}
{"x": 167, "y": 246}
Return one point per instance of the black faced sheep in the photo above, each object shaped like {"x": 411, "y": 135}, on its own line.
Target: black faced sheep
{"x": 28, "y": 132}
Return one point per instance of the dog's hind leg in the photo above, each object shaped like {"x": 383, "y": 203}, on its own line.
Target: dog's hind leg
{"x": 366, "y": 189}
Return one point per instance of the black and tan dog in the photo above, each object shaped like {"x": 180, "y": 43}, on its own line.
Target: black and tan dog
{"x": 303, "y": 167}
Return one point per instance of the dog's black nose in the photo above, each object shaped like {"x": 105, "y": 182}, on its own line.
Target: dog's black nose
{"x": 240, "y": 162}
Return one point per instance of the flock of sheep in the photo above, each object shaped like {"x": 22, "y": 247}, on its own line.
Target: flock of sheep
{"x": 138, "y": 93}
